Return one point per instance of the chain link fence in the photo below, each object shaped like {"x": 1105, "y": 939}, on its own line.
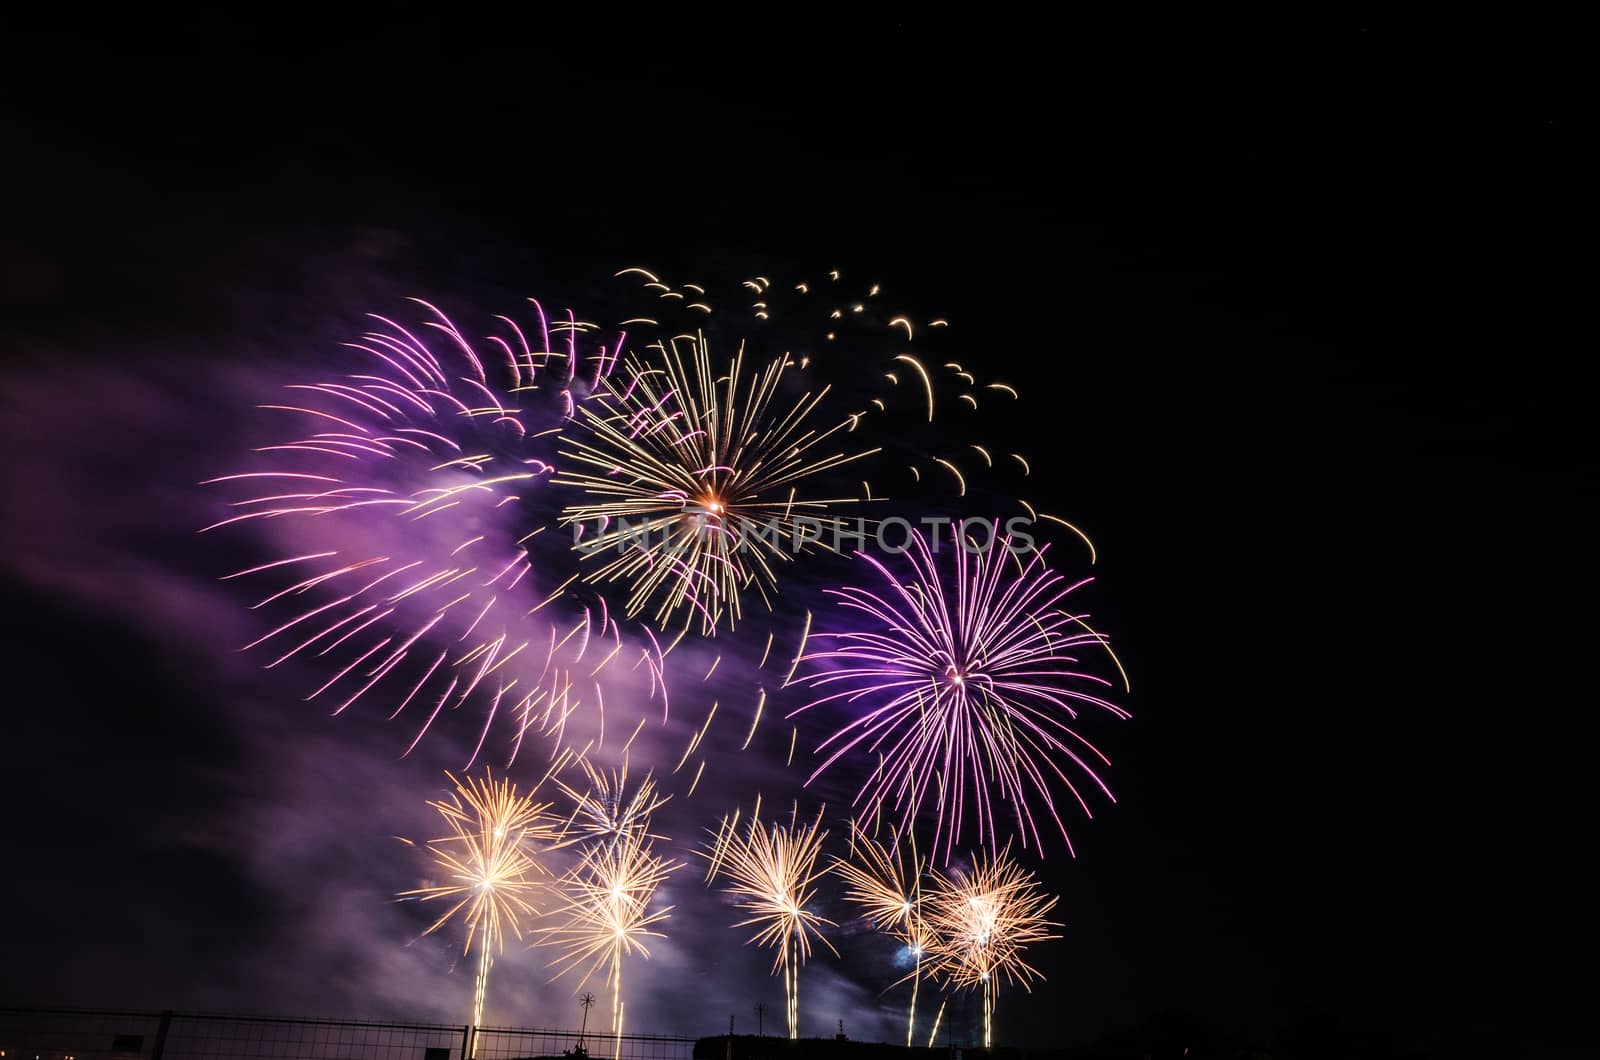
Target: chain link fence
{"x": 74, "y": 1034}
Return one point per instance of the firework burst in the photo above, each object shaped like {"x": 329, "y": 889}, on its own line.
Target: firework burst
{"x": 886, "y": 886}
{"x": 692, "y": 476}
{"x": 968, "y": 684}
{"x": 490, "y": 867}
{"x": 985, "y": 917}
{"x": 405, "y": 511}
{"x": 772, "y": 875}
{"x": 607, "y": 913}
{"x": 606, "y": 810}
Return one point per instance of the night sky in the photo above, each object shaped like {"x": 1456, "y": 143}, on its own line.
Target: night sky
{"x": 1301, "y": 363}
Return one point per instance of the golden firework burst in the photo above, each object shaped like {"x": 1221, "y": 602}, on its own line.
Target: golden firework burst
{"x": 490, "y": 866}
{"x": 607, "y": 914}
{"x": 772, "y": 875}
{"x": 985, "y": 917}
{"x": 693, "y": 480}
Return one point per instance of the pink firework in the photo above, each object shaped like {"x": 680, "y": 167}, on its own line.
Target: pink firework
{"x": 966, "y": 686}
{"x": 405, "y": 510}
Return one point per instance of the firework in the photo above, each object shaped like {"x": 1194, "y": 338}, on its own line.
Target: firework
{"x": 967, "y": 683}
{"x": 772, "y": 876}
{"x": 692, "y": 478}
{"x": 985, "y": 917}
{"x": 606, "y": 810}
{"x": 489, "y": 864}
{"x": 406, "y": 510}
{"x": 887, "y": 887}
{"x": 607, "y": 912}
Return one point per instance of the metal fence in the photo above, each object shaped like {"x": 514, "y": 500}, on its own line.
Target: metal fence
{"x": 73, "y": 1034}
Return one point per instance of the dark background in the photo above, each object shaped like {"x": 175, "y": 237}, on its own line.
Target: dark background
{"x": 1306, "y": 328}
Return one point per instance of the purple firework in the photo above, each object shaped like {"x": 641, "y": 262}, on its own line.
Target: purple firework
{"x": 966, "y": 685}
{"x": 401, "y": 514}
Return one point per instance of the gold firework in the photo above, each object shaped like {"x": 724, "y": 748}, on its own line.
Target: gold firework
{"x": 879, "y": 881}
{"x": 607, "y": 914}
{"x": 888, "y": 889}
{"x": 772, "y": 876}
{"x": 985, "y": 918}
{"x": 693, "y": 476}
{"x": 489, "y": 864}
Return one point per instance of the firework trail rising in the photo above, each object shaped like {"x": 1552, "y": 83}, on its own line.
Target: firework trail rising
{"x": 772, "y": 876}
{"x": 967, "y": 685}
{"x": 984, "y": 918}
{"x": 490, "y": 866}
{"x": 405, "y": 514}
{"x": 886, "y": 885}
{"x": 607, "y": 914}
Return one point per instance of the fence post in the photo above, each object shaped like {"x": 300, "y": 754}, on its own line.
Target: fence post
{"x": 160, "y": 1043}
{"x": 466, "y": 1043}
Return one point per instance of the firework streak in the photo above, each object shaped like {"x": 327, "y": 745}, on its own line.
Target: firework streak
{"x": 984, "y": 918}
{"x": 693, "y": 476}
{"x": 406, "y": 516}
{"x": 607, "y": 912}
{"x": 772, "y": 876}
{"x": 489, "y": 862}
{"x": 966, "y": 684}
{"x": 887, "y": 887}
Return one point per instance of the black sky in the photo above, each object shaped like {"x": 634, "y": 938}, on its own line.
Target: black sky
{"x": 1306, "y": 332}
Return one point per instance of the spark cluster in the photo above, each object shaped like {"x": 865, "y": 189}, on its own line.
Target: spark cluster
{"x": 985, "y": 917}
{"x": 403, "y": 511}
{"x": 691, "y": 474}
{"x": 606, "y": 810}
{"x": 771, "y": 874}
{"x": 965, "y": 681}
{"x": 606, "y": 911}
{"x": 886, "y": 885}
{"x": 490, "y": 866}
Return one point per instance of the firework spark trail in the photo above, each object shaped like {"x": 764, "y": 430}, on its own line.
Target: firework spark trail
{"x": 489, "y": 863}
{"x": 440, "y": 436}
{"x": 887, "y": 887}
{"x": 606, "y": 810}
{"x": 871, "y": 328}
{"x": 688, "y": 472}
{"x": 607, "y": 912}
{"x": 772, "y": 877}
{"x": 985, "y": 917}
{"x": 648, "y": 456}
{"x": 967, "y": 681}
{"x": 418, "y": 466}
